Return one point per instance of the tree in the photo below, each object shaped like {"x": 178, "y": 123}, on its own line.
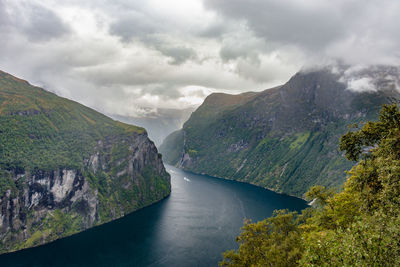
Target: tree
{"x": 272, "y": 242}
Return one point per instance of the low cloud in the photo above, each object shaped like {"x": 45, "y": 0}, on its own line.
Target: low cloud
{"x": 364, "y": 78}
{"x": 364, "y": 84}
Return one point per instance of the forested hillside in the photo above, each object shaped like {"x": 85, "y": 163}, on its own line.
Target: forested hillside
{"x": 357, "y": 227}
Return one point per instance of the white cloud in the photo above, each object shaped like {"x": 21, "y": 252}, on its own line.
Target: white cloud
{"x": 361, "y": 85}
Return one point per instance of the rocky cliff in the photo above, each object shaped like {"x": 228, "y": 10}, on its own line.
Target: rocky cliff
{"x": 65, "y": 168}
{"x": 284, "y": 138}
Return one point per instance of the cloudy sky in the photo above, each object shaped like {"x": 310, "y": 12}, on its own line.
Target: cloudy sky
{"x": 120, "y": 55}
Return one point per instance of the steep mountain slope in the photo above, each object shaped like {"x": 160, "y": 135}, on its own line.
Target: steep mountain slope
{"x": 285, "y": 138}
{"x": 213, "y": 106}
{"x": 65, "y": 167}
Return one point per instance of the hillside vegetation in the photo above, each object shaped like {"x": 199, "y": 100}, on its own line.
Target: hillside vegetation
{"x": 284, "y": 139}
{"x": 357, "y": 227}
{"x": 65, "y": 167}
{"x": 42, "y": 130}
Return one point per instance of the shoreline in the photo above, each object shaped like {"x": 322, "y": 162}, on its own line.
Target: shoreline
{"x": 228, "y": 179}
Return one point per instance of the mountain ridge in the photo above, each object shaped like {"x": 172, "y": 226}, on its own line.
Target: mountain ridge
{"x": 285, "y": 138}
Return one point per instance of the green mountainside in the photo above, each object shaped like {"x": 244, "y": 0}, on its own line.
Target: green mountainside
{"x": 285, "y": 138}
{"x": 65, "y": 167}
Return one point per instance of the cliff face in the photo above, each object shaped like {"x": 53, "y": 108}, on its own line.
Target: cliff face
{"x": 65, "y": 168}
{"x": 285, "y": 138}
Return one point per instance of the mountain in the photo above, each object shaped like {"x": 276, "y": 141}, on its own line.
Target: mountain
{"x": 65, "y": 168}
{"x": 284, "y": 138}
{"x": 159, "y": 123}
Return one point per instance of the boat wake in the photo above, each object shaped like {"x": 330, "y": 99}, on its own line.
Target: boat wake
{"x": 186, "y": 179}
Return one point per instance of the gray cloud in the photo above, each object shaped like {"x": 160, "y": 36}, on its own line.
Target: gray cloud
{"x": 123, "y": 56}
{"x": 288, "y": 22}
{"x": 142, "y": 27}
{"x": 178, "y": 54}
{"x": 347, "y": 30}
{"x": 215, "y": 30}
{"x": 135, "y": 25}
{"x": 33, "y": 20}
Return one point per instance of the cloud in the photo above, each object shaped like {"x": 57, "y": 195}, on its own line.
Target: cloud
{"x": 31, "y": 19}
{"x": 130, "y": 57}
{"x": 178, "y": 54}
{"x": 287, "y": 22}
{"x": 355, "y": 31}
{"x": 361, "y": 85}
{"x": 364, "y": 78}
{"x": 135, "y": 25}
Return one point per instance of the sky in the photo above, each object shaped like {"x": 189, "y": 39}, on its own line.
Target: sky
{"x": 126, "y": 56}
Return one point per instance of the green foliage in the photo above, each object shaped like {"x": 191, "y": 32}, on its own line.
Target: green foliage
{"x": 357, "y": 227}
{"x": 300, "y": 140}
{"x": 359, "y": 143}
{"x": 57, "y": 224}
{"x": 6, "y": 183}
{"x": 34, "y": 240}
{"x": 369, "y": 241}
{"x": 319, "y": 195}
{"x": 272, "y": 242}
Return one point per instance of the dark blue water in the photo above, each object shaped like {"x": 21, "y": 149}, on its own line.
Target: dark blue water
{"x": 192, "y": 227}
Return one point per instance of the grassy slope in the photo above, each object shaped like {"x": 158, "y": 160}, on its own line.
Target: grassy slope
{"x": 40, "y": 131}
{"x": 51, "y": 131}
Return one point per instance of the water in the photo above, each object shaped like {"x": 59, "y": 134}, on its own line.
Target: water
{"x": 192, "y": 227}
